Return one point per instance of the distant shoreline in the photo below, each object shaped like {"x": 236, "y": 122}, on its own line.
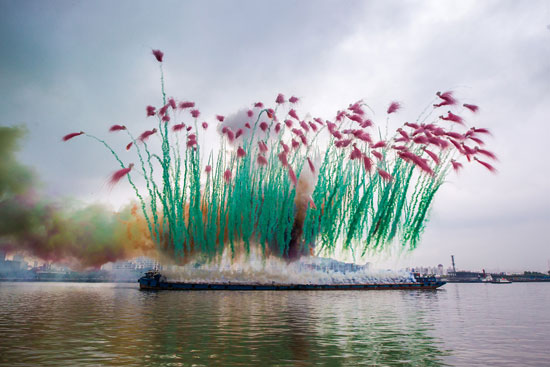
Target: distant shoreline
{"x": 6, "y": 280}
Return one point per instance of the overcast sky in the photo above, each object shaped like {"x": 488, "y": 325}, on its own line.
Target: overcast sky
{"x": 73, "y": 65}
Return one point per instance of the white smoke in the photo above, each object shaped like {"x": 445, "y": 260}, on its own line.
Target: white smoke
{"x": 257, "y": 269}
{"x": 239, "y": 119}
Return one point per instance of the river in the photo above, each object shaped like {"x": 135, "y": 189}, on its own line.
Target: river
{"x": 81, "y": 324}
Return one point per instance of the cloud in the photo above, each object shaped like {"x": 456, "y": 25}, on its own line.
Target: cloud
{"x": 75, "y": 66}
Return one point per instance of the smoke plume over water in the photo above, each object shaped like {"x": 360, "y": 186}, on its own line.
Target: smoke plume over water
{"x": 82, "y": 237}
{"x": 253, "y": 268}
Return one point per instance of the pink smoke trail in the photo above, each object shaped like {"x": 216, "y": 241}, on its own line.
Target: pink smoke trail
{"x": 118, "y": 175}
{"x": 394, "y": 106}
{"x": 72, "y": 135}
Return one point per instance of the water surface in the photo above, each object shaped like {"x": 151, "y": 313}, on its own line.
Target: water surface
{"x": 67, "y": 324}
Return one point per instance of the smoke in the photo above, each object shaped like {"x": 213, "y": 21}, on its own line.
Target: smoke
{"x": 82, "y": 237}
{"x": 302, "y": 200}
{"x": 239, "y": 120}
{"x": 86, "y": 237}
{"x": 14, "y": 177}
{"x": 244, "y": 120}
{"x": 255, "y": 268}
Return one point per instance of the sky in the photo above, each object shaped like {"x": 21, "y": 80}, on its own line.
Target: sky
{"x": 74, "y": 65}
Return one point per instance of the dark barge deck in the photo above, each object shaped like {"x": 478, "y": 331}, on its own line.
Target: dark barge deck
{"x": 154, "y": 281}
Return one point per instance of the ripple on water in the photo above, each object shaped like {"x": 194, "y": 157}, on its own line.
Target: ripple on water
{"x": 56, "y": 324}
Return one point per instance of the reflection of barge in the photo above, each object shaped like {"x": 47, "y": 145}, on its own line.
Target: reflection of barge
{"x": 155, "y": 281}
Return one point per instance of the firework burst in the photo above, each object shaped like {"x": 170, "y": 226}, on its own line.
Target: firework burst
{"x": 264, "y": 189}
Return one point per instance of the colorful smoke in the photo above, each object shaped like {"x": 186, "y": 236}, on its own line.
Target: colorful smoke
{"x": 83, "y": 237}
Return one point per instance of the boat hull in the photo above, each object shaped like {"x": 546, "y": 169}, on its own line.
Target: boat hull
{"x": 152, "y": 284}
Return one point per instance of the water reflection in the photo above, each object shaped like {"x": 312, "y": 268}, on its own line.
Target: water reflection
{"x": 56, "y": 324}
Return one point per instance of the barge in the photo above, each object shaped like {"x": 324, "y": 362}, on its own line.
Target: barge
{"x": 155, "y": 281}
